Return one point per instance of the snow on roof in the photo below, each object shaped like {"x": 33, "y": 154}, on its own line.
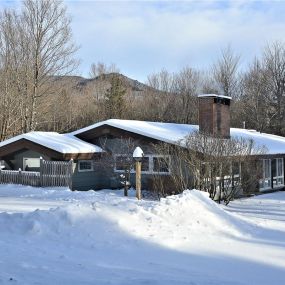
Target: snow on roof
{"x": 214, "y": 95}
{"x": 172, "y": 133}
{"x": 167, "y": 132}
{"x": 63, "y": 143}
{"x": 274, "y": 144}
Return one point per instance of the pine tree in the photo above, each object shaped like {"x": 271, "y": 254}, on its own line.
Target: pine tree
{"x": 114, "y": 99}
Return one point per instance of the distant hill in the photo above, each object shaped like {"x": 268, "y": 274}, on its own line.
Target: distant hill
{"x": 101, "y": 83}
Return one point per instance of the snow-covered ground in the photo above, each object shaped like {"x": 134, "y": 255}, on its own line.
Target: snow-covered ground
{"x": 54, "y": 236}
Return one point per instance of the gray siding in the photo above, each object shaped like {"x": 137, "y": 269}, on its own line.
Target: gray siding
{"x": 102, "y": 178}
{"x": 97, "y": 179}
{"x": 103, "y": 175}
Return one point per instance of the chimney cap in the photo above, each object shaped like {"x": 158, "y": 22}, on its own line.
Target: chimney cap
{"x": 214, "y": 95}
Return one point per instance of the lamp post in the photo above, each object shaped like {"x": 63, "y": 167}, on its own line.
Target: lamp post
{"x": 138, "y": 155}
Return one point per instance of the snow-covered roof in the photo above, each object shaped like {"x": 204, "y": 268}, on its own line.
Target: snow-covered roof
{"x": 63, "y": 143}
{"x": 172, "y": 133}
{"x": 214, "y": 95}
{"x": 167, "y": 132}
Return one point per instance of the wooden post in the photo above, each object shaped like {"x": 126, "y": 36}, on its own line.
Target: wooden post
{"x": 271, "y": 173}
{"x": 138, "y": 179}
{"x": 70, "y": 174}
{"x": 41, "y": 172}
{"x": 20, "y": 176}
{"x": 125, "y": 183}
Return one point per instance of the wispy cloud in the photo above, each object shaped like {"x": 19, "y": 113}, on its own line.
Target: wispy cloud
{"x": 144, "y": 36}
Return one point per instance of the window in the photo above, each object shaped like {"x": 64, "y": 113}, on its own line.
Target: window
{"x": 265, "y": 181}
{"x": 31, "y": 164}
{"x": 157, "y": 164}
{"x": 236, "y": 170}
{"x": 278, "y": 172}
{"x": 85, "y": 165}
{"x": 123, "y": 162}
{"x": 161, "y": 164}
{"x": 145, "y": 164}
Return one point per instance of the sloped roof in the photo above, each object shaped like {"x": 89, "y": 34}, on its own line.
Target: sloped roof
{"x": 172, "y": 133}
{"x": 62, "y": 143}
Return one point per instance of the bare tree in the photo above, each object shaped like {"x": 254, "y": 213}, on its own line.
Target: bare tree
{"x": 254, "y": 107}
{"x": 174, "y": 97}
{"x": 274, "y": 65}
{"x": 8, "y": 98}
{"x": 225, "y": 72}
{"x": 100, "y": 68}
{"x": 187, "y": 83}
{"x": 222, "y": 167}
{"x": 49, "y": 46}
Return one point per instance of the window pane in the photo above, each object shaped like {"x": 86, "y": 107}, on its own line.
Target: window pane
{"x": 280, "y": 171}
{"x": 145, "y": 164}
{"x": 267, "y": 166}
{"x": 267, "y": 183}
{"x": 161, "y": 164}
{"x": 32, "y": 162}
{"x": 266, "y": 173}
{"x": 236, "y": 169}
{"x": 259, "y": 167}
{"x": 85, "y": 165}
{"x": 274, "y": 170}
{"x": 122, "y": 163}
{"x": 278, "y": 175}
{"x": 280, "y": 181}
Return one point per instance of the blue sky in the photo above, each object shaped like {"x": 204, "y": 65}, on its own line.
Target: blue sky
{"x": 142, "y": 37}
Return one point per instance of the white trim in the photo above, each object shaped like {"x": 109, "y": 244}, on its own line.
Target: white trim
{"x": 85, "y": 170}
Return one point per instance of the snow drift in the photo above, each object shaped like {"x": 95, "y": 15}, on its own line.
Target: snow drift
{"x": 101, "y": 238}
{"x": 190, "y": 213}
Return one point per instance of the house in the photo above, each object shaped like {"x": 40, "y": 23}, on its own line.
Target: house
{"x": 88, "y": 147}
{"x": 26, "y": 151}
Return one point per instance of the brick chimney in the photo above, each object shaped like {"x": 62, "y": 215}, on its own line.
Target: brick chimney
{"x": 214, "y": 115}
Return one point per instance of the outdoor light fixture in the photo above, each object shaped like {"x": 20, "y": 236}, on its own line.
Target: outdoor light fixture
{"x": 138, "y": 156}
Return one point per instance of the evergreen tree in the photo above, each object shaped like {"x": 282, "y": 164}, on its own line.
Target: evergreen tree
{"x": 114, "y": 99}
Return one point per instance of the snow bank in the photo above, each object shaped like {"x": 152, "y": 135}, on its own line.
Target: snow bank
{"x": 104, "y": 238}
{"x": 196, "y": 211}
{"x": 178, "y": 219}
{"x": 190, "y": 212}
